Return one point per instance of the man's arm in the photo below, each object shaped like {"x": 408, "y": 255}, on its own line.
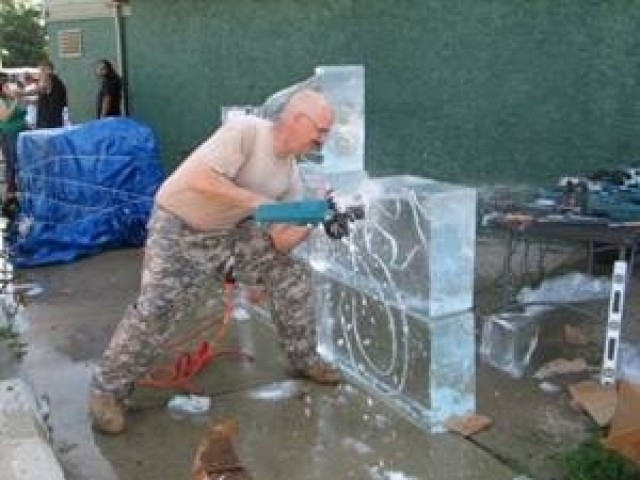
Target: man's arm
{"x": 217, "y": 187}
{"x": 287, "y": 237}
{"x": 209, "y": 183}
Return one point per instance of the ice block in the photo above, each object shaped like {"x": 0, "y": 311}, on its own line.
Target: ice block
{"x": 508, "y": 341}
{"x": 416, "y": 244}
{"x": 421, "y": 365}
{"x": 344, "y": 87}
{"x": 317, "y": 181}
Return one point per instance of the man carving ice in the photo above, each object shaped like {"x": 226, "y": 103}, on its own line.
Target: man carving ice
{"x": 198, "y": 224}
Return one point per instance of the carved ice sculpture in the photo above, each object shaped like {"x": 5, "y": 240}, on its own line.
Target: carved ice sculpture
{"x": 416, "y": 245}
{"x": 393, "y": 301}
{"x": 423, "y": 366}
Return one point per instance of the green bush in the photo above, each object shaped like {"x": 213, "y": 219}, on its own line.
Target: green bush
{"x": 591, "y": 461}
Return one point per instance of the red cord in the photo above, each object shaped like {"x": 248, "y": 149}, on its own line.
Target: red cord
{"x": 179, "y": 375}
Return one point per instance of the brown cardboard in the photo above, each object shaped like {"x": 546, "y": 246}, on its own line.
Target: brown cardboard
{"x": 598, "y": 401}
{"x": 467, "y": 425}
{"x": 624, "y": 434}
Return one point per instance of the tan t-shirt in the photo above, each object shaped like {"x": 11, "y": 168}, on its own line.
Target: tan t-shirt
{"x": 242, "y": 151}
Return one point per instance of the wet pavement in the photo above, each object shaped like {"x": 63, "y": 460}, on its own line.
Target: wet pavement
{"x": 289, "y": 429}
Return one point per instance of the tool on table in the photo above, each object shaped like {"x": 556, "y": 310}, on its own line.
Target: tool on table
{"x": 326, "y": 212}
{"x": 614, "y": 323}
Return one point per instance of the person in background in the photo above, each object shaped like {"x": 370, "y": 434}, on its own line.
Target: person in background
{"x": 52, "y": 97}
{"x": 30, "y": 85}
{"x": 12, "y": 122}
{"x": 110, "y": 93}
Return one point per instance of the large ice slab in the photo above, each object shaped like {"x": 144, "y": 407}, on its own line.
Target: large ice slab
{"x": 423, "y": 366}
{"x": 340, "y": 162}
{"x": 344, "y": 86}
{"x": 416, "y": 245}
{"x": 317, "y": 180}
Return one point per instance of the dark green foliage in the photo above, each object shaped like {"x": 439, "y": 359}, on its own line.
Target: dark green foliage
{"x": 591, "y": 461}
{"x": 22, "y": 34}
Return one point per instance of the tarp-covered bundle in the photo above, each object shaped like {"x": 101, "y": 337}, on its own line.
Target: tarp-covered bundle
{"x": 84, "y": 189}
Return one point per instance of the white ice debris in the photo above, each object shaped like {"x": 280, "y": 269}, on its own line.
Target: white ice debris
{"x": 359, "y": 447}
{"x": 377, "y": 473}
{"x": 275, "y": 391}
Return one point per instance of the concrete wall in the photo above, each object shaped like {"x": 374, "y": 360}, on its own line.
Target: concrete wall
{"x": 464, "y": 90}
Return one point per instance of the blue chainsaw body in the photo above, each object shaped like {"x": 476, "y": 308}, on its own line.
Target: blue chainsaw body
{"x": 304, "y": 212}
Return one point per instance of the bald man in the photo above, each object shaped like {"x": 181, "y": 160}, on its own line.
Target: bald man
{"x": 197, "y": 225}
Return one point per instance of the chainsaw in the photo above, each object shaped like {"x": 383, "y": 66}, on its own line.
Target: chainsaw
{"x": 326, "y": 212}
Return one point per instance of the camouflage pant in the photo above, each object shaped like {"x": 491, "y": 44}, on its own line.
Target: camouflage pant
{"x": 182, "y": 266}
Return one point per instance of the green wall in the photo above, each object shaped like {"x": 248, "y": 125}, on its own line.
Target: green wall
{"x": 98, "y": 41}
{"x": 472, "y": 91}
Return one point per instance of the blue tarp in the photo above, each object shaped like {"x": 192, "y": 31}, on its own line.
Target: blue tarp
{"x": 84, "y": 189}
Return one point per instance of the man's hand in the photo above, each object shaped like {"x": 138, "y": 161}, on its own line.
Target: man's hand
{"x": 287, "y": 237}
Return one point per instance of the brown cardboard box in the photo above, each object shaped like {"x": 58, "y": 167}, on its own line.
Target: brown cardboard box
{"x": 598, "y": 401}
{"x": 624, "y": 434}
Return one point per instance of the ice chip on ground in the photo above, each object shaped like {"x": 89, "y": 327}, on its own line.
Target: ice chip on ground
{"x": 549, "y": 387}
{"x": 570, "y": 288}
{"x": 192, "y": 404}
{"x": 276, "y": 391}
{"x": 508, "y": 341}
{"x": 240, "y": 314}
{"x": 358, "y": 446}
{"x": 29, "y": 289}
{"x": 379, "y": 473}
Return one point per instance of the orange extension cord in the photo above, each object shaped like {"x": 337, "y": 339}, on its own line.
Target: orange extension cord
{"x": 179, "y": 375}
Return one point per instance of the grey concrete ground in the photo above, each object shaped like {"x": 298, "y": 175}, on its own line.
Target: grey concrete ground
{"x": 288, "y": 429}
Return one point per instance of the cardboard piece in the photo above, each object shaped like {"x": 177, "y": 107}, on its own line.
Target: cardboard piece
{"x": 598, "y": 401}
{"x": 561, "y": 366}
{"x": 216, "y": 455}
{"x": 624, "y": 433}
{"x": 467, "y": 425}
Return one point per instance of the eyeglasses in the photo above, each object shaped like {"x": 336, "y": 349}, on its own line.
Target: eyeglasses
{"x": 321, "y": 130}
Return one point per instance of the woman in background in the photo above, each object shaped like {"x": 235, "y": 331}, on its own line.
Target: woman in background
{"x": 110, "y": 93}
